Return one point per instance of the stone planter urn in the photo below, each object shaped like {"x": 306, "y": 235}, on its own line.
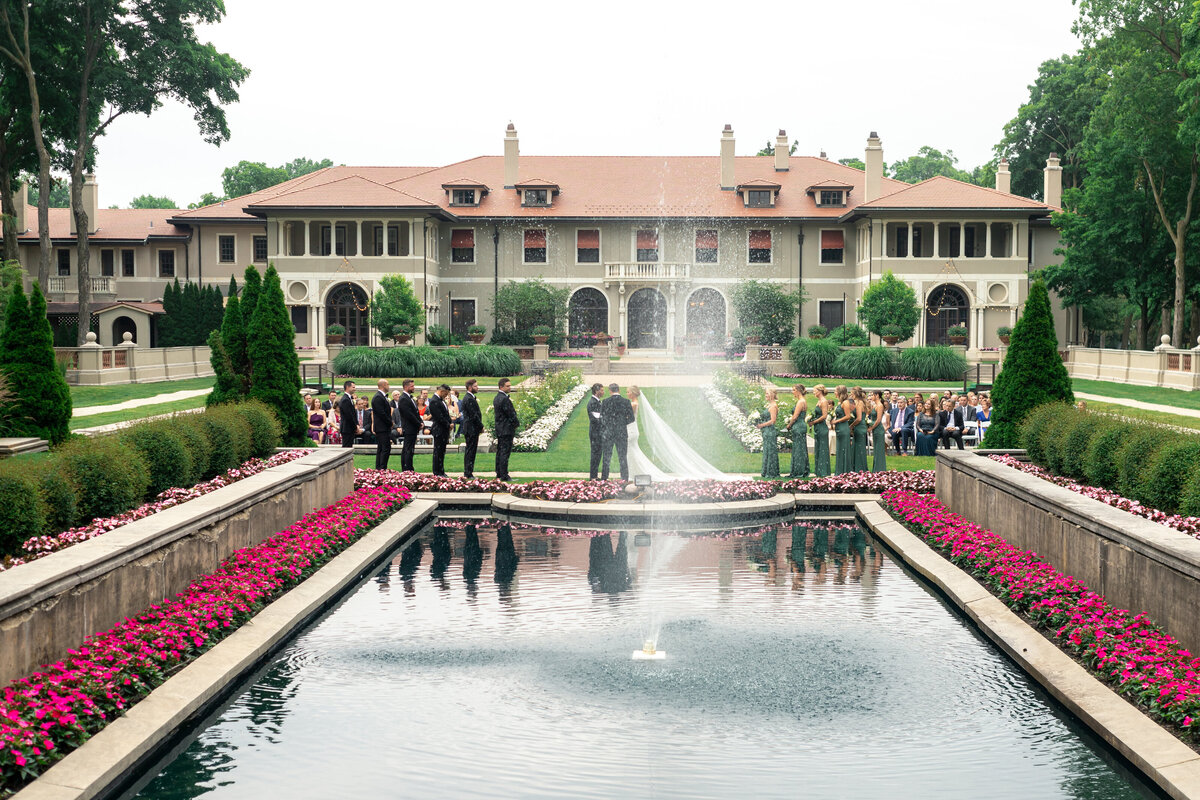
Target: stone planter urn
{"x": 540, "y": 339}
{"x": 958, "y": 339}
{"x": 753, "y": 339}
{"x": 476, "y": 338}
{"x": 890, "y": 341}
{"x": 401, "y": 338}
{"x": 335, "y": 338}
{"x": 1004, "y": 339}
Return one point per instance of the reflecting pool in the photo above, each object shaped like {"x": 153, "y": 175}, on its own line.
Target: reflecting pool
{"x": 486, "y": 661}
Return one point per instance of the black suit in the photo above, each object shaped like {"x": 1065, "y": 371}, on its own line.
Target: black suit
{"x": 381, "y": 420}
{"x": 439, "y": 425}
{"x": 950, "y": 426}
{"x": 349, "y": 419}
{"x": 595, "y": 433}
{"x": 506, "y": 429}
{"x": 408, "y": 420}
{"x": 615, "y": 415}
{"x": 472, "y": 426}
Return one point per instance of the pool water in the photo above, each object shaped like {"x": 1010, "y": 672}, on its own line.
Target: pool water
{"x": 489, "y": 662}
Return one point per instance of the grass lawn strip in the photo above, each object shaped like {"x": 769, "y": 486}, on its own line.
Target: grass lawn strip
{"x": 130, "y": 414}
{"x": 1146, "y": 394}
{"x": 83, "y": 396}
{"x": 1145, "y": 415}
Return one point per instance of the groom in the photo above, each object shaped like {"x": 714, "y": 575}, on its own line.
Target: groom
{"x": 615, "y": 415}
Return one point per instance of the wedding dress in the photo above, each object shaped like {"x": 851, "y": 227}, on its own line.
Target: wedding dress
{"x": 671, "y": 451}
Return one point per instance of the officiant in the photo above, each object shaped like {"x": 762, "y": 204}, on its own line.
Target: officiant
{"x": 595, "y": 428}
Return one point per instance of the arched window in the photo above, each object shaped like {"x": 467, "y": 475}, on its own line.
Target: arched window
{"x": 945, "y": 307}
{"x": 588, "y": 315}
{"x": 348, "y": 305}
{"x": 647, "y": 319}
{"x": 706, "y": 317}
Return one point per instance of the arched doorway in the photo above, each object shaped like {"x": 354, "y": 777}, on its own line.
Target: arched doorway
{"x": 587, "y": 313}
{"x": 121, "y": 326}
{"x": 347, "y": 305}
{"x": 706, "y": 317}
{"x": 647, "y": 319}
{"x": 945, "y": 307}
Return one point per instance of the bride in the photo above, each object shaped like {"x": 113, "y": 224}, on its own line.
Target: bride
{"x": 680, "y": 460}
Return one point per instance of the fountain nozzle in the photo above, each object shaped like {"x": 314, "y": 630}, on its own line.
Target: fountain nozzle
{"x": 648, "y": 653}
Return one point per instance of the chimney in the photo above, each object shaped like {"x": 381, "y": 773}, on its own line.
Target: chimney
{"x": 1052, "y": 184}
{"x": 1003, "y": 177}
{"x": 91, "y": 203}
{"x": 873, "y": 159}
{"x": 782, "y": 151}
{"x": 511, "y": 153}
{"x": 21, "y": 204}
{"x": 727, "y": 178}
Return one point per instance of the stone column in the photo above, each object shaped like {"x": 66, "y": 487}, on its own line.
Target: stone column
{"x": 987, "y": 247}
{"x": 307, "y": 240}
{"x": 936, "y": 244}
{"x": 910, "y": 239}
{"x": 623, "y": 317}
{"x": 671, "y": 302}
{"x": 384, "y": 251}
{"x": 962, "y": 240}
{"x": 358, "y": 223}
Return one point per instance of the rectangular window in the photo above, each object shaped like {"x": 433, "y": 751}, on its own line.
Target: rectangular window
{"x": 535, "y": 246}
{"x": 833, "y": 247}
{"x": 300, "y": 318}
{"x": 166, "y": 263}
{"x": 916, "y": 251}
{"x": 760, "y": 247}
{"x": 126, "y": 263}
{"x": 64, "y": 262}
{"x": 394, "y": 241}
{"x": 587, "y": 247}
{"x": 260, "y": 248}
{"x": 901, "y": 241}
{"x": 462, "y": 197}
{"x": 832, "y": 314}
{"x": 225, "y": 249}
{"x": 462, "y": 246}
{"x": 462, "y": 316}
{"x": 647, "y": 245}
{"x": 106, "y": 263}
{"x": 706, "y": 247}
{"x": 537, "y": 197}
{"x": 339, "y": 244}
{"x": 831, "y": 197}
{"x": 968, "y": 241}
{"x": 758, "y": 198}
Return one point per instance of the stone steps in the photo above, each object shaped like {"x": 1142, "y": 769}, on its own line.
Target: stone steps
{"x": 10, "y": 447}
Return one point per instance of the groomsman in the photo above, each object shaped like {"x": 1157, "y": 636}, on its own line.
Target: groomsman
{"x": 381, "y": 414}
{"x": 595, "y": 429}
{"x": 615, "y": 416}
{"x": 409, "y": 420}
{"x": 506, "y": 427}
{"x": 439, "y": 425}
{"x": 348, "y": 415}
{"x": 472, "y": 426}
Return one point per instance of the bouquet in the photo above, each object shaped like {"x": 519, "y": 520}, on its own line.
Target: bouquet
{"x": 755, "y": 417}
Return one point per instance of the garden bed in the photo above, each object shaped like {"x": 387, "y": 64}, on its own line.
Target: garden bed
{"x": 676, "y": 491}
{"x": 917, "y": 480}
{"x": 424, "y": 482}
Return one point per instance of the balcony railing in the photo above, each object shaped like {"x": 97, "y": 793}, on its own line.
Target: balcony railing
{"x": 647, "y": 271}
{"x": 62, "y": 284}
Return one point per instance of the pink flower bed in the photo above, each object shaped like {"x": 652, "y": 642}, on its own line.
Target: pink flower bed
{"x": 1188, "y": 525}
{"x": 421, "y": 482}
{"x": 40, "y": 546}
{"x": 49, "y": 713}
{"x": 917, "y": 480}
{"x": 1136, "y": 658}
{"x": 575, "y": 491}
{"x": 680, "y": 491}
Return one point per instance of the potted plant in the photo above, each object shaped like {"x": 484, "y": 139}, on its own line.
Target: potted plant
{"x": 957, "y": 334}
{"x": 620, "y": 347}
{"x": 335, "y": 333}
{"x": 402, "y": 333}
{"x": 476, "y": 333}
{"x": 754, "y": 334}
{"x": 817, "y": 331}
{"x": 891, "y": 334}
{"x": 1004, "y": 332}
{"x": 541, "y": 333}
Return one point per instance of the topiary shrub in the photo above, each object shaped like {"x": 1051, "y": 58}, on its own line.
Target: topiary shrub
{"x": 1032, "y": 374}
{"x": 191, "y": 431}
{"x": 865, "y": 362}
{"x": 1076, "y": 446}
{"x": 1144, "y": 442}
{"x": 57, "y": 493}
{"x": 1189, "y": 503}
{"x": 165, "y": 453}
{"x": 22, "y": 512}
{"x": 265, "y": 431}
{"x": 1056, "y": 436}
{"x": 275, "y": 378}
{"x": 239, "y": 428}
{"x": 108, "y": 475}
{"x": 1170, "y": 472}
{"x": 849, "y": 335}
{"x": 813, "y": 356}
{"x": 222, "y": 455}
{"x": 1031, "y": 432}
{"x": 936, "y": 363}
{"x": 1103, "y": 460}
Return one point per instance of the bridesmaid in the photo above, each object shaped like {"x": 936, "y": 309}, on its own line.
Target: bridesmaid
{"x": 877, "y": 427}
{"x": 858, "y": 431}
{"x": 820, "y": 427}
{"x": 844, "y": 412}
{"x": 770, "y": 436}
{"x": 799, "y": 434}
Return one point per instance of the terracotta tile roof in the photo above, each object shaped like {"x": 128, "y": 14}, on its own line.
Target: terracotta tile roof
{"x": 759, "y": 183}
{"x": 115, "y": 224}
{"x": 829, "y": 184}
{"x": 942, "y": 192}
{"x": 535, "y": 183}
{"x": 464, "y": 183}
{"x": 351, "y": 191}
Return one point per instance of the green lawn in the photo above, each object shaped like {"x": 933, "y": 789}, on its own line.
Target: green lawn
{"x": 1143, "y": 414}
{"x": 83, "y": 396}
{"x": 867, "y": 383}
{"x": 1146, "y": 394}
{"x": 140, "y": 412}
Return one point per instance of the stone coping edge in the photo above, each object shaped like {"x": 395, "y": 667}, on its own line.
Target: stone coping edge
{"x": 106, "y": 758}
{"x": 1158, "y": 754}
{"x": 26, "y": 586}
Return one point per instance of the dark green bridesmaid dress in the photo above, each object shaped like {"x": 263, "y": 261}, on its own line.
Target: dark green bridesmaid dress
{"x": 799, "y": 448}
{"x": 878, "y": 445}
{"x": 821, "y": 447}
{"x": 844, "y": 461}
{"x": 770, "y": 447}
{"x": 859, "y": 446}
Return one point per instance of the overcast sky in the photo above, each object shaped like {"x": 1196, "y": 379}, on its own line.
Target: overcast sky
{"x": 401, "y": 83}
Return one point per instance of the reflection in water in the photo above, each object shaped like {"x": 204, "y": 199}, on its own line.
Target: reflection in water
{"x": 472, "y": 560}
{"x": 410, "y": 562}
{"x": 441, "y": 555}
{"x": 608, "y": 572}
{"x": 506, "y": 560}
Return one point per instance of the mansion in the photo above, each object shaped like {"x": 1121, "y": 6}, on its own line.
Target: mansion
{"x": 650, "y": 247}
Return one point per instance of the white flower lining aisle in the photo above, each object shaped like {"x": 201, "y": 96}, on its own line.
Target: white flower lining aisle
{"x": 538, "y": 436}
{"x": 734, "y": 419}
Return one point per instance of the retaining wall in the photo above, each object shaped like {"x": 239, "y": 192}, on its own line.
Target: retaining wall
{"x": 51, "y": 605}
{"x": 1133, "y": 562}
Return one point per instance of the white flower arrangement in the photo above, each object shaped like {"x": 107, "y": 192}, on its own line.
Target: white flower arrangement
{"x": 536, "y": 438}
{"x": 735, "y": 421}
{"x": 755, "y": 417}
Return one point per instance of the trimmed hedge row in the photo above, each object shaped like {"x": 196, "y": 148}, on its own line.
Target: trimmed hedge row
{"x": 1156, "y": 466}
{"x": 101, "y": 477}
{"x": 425, "y": 362}
{"x": 824, "y": 357}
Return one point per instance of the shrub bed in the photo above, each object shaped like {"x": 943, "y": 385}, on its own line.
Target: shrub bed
{"x": 422, "y": 482}
{"x": 933, "y": 363}
{"x": 917, "y": 480}
{"x": 425, "y": 362}
{"x": 1136, "y": 658}
{"x": 813, "y": 356}
{"x": 865, "y": 362}
{"x": 36, "y": 547}
{"x": 50, "y": 713}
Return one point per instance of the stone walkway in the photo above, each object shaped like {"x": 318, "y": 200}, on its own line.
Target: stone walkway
{"x": 96, "y": 430}
{"x": 170, "y": 397}
{"x": 1125, "y": 401}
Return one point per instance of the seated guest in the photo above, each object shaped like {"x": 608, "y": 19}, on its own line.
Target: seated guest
{"x": 984, "y": 416}
{"x": 328, "y": 405}
{"x": 900, "y": 426}
{"x": 950, "y": 424}
{"x": 363, "y": 409}
{"x": 926, "y": 425}
{"x": 316, "y": 419}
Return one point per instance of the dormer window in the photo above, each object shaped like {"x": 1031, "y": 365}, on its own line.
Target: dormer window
{"x": 830, "y": 193}
{"x": 465, "y": 192}
{"x": 832, "y": 197}
{"x": 462, "y": 197}
{"x": 536, "y": 197}
{"x": 759, "y": 193}
{"x": 758, "y": 198}
{"x": 537, "y": 193}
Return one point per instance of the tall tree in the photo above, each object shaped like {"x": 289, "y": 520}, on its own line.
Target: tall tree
{"x": 247, "y": 177}
{"x": 927, "y": 163}
{"x": 151, "y": 201}
{"x": 395, "y": 306}
{"x": 271, "y": 345}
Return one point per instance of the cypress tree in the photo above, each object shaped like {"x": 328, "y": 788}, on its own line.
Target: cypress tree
{"x": 50, "y": 398}
{"x": 250, "y": 292}
{"x": 276, "y": 368}
{"x": 229, "y": 355}
{"x": 1032, "y": 373}
{"x": 13, "y": 339}
{"x": 168, "y": 323}
{"x": 192, "y": 322}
